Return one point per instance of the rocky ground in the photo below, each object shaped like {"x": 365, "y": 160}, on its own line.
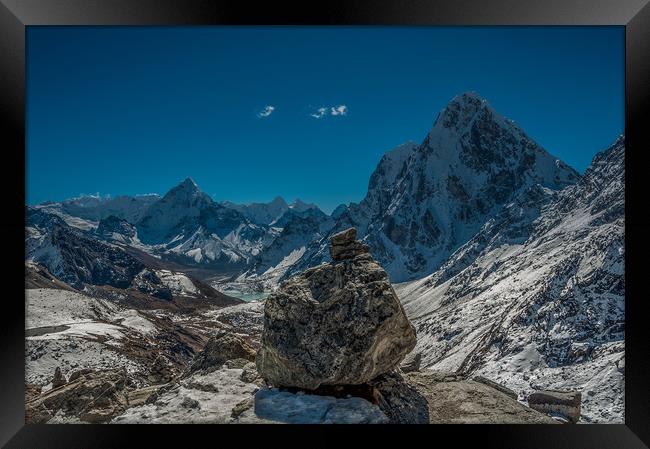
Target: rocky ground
{"x": 332, "y": 345}
{"x": 108, "y": 380}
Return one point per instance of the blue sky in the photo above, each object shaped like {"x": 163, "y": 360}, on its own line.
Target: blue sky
{"x": 302, "y": 112}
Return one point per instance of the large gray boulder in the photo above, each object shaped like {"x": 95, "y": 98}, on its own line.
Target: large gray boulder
{"x": 335, "y": 324}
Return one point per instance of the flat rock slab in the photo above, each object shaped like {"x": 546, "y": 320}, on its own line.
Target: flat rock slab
{"x": 496, "y": 386}
{"x": 469, "y": 402}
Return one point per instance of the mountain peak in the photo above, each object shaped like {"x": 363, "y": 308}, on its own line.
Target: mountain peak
{"x": 185, "y": 191}
{"x": 300, "y": 206}
{"x": 186, "y": 187}
{"x": 279, "y": 201}
{"x": 188, "y": 183}
{"x": 469, "y": 102}
{"x": 469, "y": 95}
{"x": 461, "y": 110}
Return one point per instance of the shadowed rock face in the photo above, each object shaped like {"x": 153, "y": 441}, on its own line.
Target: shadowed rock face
{"x": 335, "y": 324}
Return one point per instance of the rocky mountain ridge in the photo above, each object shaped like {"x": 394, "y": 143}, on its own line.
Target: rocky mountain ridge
{"x": 425, "y": 201}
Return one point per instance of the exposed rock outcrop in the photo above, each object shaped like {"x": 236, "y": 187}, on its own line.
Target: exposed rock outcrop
{"x": 335, "y": 324}
{"x": 58, "y": 380}
{"x": 160, "y": 371}
{"x": 219, "y": 349}
{"x": 565, "y": 403}
{"x": 411, "y": 362}
{"x": 93, "y": 397}
{"x": 437, "y": 398}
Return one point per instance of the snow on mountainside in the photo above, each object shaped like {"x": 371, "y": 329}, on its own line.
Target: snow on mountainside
{"x": 536, "y": 298}
{"x": 79, "y": 259}
{"x": 268, "y": 213}
{"x": 300, "y": 206}
{"x": 300, "y": 227}
{"x": 91, "y": 209}
{"x": 188, "y": 225}
{"x": 425, "y": 201}
{"x": 116, "y": 229}
{"x": 73, "y": 256}
{"x": 260, "y": 213}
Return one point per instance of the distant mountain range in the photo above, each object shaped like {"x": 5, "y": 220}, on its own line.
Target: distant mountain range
{"x": 185, "y": 225}
{"x": 424, "y": 202}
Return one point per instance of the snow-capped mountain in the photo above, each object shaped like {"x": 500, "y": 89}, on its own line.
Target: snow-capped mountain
{"x": 425, "y": 201}
{"x": 188, "y": 225}
{"x": 260, "y": 213}
{"x": 85, "y": 211}
{"x": 181, "y": 211}
{"x": 81, "y": 260}
{"x": 74, "y": 256}
{"x": 338, "y": 211}
{"x": 536, "y": 298}
{"x": 185, "y": 226}
{"x": 268, "y": 213}
{"x": 116, "y": 229}
{"x": 300, "y": 227}
{"x": 300, "y": 206}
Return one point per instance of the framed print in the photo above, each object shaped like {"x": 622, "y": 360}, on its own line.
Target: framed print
{"x": 386, "y": 217}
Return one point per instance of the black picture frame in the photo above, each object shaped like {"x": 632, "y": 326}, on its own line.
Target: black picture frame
{"x": 634, "y": 15}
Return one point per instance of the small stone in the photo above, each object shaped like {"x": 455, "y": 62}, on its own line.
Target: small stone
{"x": 411, "y": 362}
{"x": 97, "y": 416}
{"x": 241, "y": 407}
{"x": 146, "y": 395}
{"x": 58, "y": 380}
{"x": 249, "y": 374}
{"x": 98, "y": 395}
{"x": 496, "y": 386}
{"x": 344, "y": 238}
{"x": 78, "y": 373}
{"x": 345, "y": 246}
{"x": 190, "y": 403}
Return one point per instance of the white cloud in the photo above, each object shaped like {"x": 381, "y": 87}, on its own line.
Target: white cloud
{"x": 268, "y": 110}
{"x": 339, "y": 110}
{"x": 320, "y": 113}
{"x": 333, "y": 110}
